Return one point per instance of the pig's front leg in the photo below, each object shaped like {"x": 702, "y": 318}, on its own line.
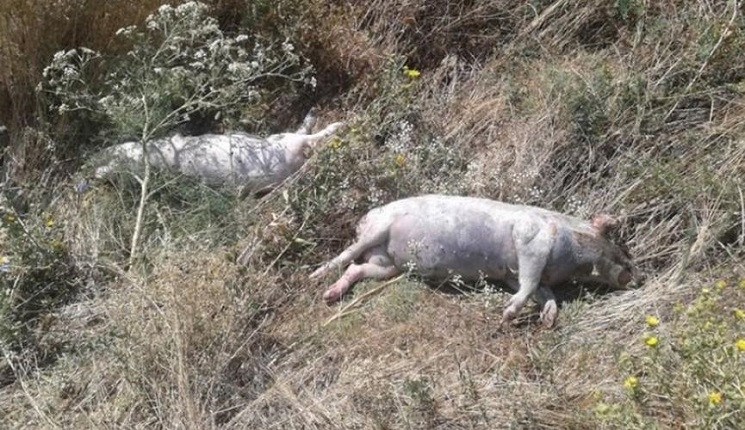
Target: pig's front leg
{"x": 533, "y": 245}
{"x": 546, "y": 301}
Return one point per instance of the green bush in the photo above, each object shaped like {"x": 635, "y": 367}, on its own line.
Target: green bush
{"x": 36, "y": 275}
{"x": 691, "y": 363}
{"x": 389, "y": 152}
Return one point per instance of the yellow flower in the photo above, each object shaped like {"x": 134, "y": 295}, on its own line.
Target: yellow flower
{"x": 742, "y": 284}
{"x": 49, "y": 223}
{"x": 57, "y": 245}
{"x": 336, "y": 143}
{"x": 631, "y": 383}
{"x": 3, "y": 259}
{"x": 10, "y": 219}
{"x": 602, "y": 408}
{"x": 652, "y": 321}
{"x": 740, "y": 344}
{"x": 412, "y": 73}
{"x": 715, "y": 398}
{"x": 705, "y": 291}
{"x": 740, "y": 314}
{"x": 721, "y": 284}
{"x": 400, "y": 160}
{"x": 652, "y": 341}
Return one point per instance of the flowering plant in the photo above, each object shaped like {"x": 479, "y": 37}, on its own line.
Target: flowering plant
{"x": 179, "y": 64}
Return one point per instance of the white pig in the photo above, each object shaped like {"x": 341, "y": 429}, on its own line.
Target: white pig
{"x": 531, "y": 249}
{"x": 241, "y": 159}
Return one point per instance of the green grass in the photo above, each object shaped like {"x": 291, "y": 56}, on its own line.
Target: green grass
{"x": 629, "y": 108}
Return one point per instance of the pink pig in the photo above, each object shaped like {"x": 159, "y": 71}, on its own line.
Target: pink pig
{"x": 245, "y": 160}
{"x": 529, "y": 248}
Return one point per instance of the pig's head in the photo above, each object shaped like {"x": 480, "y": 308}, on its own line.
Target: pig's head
{"x": 613, "y": 265}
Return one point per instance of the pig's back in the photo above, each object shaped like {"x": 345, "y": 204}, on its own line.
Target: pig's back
{"x": 442, "y": 234}
{"x": 469, "y": 236}
{"x": 436, "y": 204}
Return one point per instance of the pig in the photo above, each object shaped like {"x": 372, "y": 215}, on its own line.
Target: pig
{"x": 251, "y": 162}
{"x": 528, "y": 248}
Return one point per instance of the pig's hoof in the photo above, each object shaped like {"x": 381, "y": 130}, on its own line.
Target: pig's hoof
{"x": 318, "y": 273}
{"x": 331, "y": 296}
{"x": 506, "y": 322}
{"x": 549, "y": 313}
{"x": 500, "y": 330}
{"x": 509, "y": 314}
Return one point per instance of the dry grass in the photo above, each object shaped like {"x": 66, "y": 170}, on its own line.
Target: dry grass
{"x": 576, "y": 107}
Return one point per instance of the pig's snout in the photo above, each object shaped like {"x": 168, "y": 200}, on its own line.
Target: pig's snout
{"x": 624, "y": 278}
{"x": 630, "y": 279}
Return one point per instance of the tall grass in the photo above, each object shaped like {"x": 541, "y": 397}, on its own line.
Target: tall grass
{"x": 625, "y": 107}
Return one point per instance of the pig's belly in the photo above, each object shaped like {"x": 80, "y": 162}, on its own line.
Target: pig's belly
{"x": 469, "y": 244}
{"x": 244, "y": 164}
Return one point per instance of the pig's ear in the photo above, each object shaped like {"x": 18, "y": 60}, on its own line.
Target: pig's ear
{"x": 604, "y": 223}
{"x": 307, "y": 150}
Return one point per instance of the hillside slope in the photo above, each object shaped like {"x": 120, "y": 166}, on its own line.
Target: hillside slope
{"x": 631, "y": 107}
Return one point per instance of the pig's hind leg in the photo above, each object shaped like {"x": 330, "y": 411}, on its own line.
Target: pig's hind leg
{"x": 370, "y": 235}
{"x": 377, "y": 266}
{"x": 347, "y": 256}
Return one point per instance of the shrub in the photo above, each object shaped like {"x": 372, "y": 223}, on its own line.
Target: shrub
{"x": 690, "y": 363}
{"x": 390, "y": 151}
{"x": 35, "y": 273}
{"x": 180, "y": 65}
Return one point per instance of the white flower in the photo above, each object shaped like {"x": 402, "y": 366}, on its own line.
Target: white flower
{"x": 191, "y": 6}
{"x": 125, "y": 30}
{"x": 400, "y": 141}
{"x": 151, "y": 23}
{"x": 241, "y": 38}
{"x": 238, "y": 68}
